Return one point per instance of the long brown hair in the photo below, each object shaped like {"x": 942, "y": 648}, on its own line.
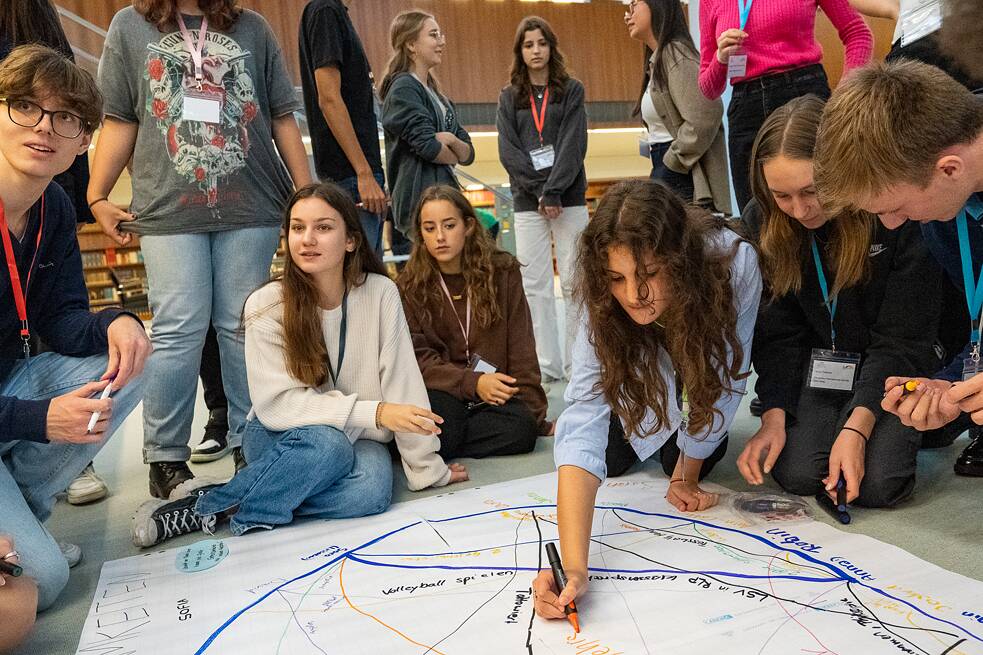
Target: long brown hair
{"x": 519, "y": 73}
{"x": 304, "y": 349}
{"x": 670, "y": 30}
{"x": 404, "y": 30}
{"x": 790, "y": 131}
{"x": 696, "y": 330}
{"x": 163, "y": 13}
{"x": 420, "y": 280}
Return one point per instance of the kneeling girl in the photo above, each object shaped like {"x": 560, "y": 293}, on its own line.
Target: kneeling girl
{"x": 851, "y": 302}
{"x": 671, "y": 295}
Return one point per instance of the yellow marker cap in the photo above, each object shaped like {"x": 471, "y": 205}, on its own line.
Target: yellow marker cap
{"x": 911, "y": 385}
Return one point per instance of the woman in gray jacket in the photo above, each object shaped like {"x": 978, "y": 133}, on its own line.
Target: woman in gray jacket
{"x": 685, "y": 131}
{"x": 424, "y": 139}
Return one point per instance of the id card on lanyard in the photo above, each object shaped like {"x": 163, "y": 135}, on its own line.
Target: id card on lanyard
{"x": 973, "y": 287}
{"x": 199, "y": 104}
{"x": 543, "y": 156}
{"x": 20, "y": 292}
{"x": 737, "y": 62}
{"x": 831, "y": 370}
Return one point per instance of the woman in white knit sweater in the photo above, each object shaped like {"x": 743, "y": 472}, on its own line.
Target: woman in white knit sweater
{"x": 332, "y": 377}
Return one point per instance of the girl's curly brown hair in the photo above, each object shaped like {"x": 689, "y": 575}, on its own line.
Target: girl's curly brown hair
{"x": 419, "y": 282}
{"x": 163, "y": 13}
{"x": 698, "y": 329}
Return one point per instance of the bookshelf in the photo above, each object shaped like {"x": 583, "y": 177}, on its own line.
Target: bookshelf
{"x": 101, "y": 259}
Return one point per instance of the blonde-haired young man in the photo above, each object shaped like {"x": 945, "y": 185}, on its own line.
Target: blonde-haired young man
{"x": 903, "y": 140}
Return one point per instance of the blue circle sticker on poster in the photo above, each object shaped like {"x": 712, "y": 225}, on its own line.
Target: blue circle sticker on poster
{"x": 201, "y": 556}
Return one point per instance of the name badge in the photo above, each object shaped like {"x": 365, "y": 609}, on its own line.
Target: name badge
{"x": 833, "y": 370}
{"x": 644, "y": 149}
{"x": 971, "y": 367}
{"x": 737, "y": 65}
{"x": 479, "y": 365}
{"x": 202, "y": 106}
{"x": 542, "y": 158}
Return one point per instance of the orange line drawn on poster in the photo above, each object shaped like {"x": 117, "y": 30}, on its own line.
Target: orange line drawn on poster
{"x": 341, "y": 583}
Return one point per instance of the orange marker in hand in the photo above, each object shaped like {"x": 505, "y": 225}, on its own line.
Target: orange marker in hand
{"x": 561, "y": 582}
{"x": 909, "y": 386}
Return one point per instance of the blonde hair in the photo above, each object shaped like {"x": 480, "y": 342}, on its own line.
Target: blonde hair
{"x": 790, "y": 131}
{"x": 886, "y": 124}
{"x": 405, "y": 29}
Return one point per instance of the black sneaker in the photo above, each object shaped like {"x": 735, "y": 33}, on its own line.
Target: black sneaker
{"x": 164, "y": 476}
{"x": 970, "y": 461}
{"x": 158, "y": 520}
{"x": 214, "y": 444}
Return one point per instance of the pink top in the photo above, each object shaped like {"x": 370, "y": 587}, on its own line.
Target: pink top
{"x": 781, "y": 36}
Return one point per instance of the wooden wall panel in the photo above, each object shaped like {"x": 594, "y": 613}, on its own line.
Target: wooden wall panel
{"x": 479, "y": 40}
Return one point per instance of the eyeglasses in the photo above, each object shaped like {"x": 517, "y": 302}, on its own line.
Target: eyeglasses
{"x": 630, "y": 9}
{"x": 29, "y": 114}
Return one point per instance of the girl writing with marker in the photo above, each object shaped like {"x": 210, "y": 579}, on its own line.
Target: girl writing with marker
{"x": 660, "y": 364}
{"x": 472, "y": 332}
{"x": 333, "y": 378}
{"x": 850, "y": 302}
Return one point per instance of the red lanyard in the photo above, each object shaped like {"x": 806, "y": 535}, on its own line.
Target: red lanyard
{"x": 193, "y": 50}
{"x": 19, "y": 293}
{"x": 466, "y": 331}
{"x": 539, "y": 119}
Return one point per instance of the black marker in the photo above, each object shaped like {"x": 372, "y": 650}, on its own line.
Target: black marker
{"x": 10, "y": 569}
{"x": 561, "y": 582}
{"x": 838, "y": 509}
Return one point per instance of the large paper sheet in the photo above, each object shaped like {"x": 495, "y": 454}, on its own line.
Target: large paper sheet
{"x": 452, "y": 575}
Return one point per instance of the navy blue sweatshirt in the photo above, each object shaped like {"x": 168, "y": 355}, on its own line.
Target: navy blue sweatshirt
{"x": 57, "y": 308}
{"x": 943, "y": 242}
{"x": 890, "y": 319}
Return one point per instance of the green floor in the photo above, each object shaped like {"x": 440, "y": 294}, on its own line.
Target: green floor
{"x": 941, "y": 524}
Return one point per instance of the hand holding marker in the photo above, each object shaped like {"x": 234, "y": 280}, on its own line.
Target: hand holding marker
{"x": 95, "y": 415}
{"x": 561, "y": 582}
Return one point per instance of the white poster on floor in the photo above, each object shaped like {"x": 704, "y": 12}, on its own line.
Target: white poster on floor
{"x": 451, "y": 575}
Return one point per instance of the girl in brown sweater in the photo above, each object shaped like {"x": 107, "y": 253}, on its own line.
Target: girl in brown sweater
{"x": 472, "y": 332}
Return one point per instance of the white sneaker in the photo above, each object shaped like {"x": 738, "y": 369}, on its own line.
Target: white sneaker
{"x": 72, "y": 553}
{"x": 87, "y": 487}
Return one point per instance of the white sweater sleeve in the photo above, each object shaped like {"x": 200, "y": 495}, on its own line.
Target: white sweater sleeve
{"x": 402, "y": 382}
{"x": 282, "y": 402}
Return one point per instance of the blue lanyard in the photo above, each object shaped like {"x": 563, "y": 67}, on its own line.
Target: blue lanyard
{"x": 831, "y": 306}
{"x": 745, "y": 10}
{"x": 342, "y": 335}
{"x": 974, "y": 292}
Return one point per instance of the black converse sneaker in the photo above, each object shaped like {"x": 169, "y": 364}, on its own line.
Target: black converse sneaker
{"x": 158, "y": 520}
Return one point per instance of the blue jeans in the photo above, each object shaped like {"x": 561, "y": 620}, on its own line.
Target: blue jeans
{"x": 312, "y": 471}
{"x": 194, "y": 280}
{"x": 32, "y": 473}
{"x": 371, "y": 223}
{"x": 679, "y": 183}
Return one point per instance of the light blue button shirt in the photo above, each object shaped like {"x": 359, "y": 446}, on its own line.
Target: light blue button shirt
{"x": 582, "y": 429}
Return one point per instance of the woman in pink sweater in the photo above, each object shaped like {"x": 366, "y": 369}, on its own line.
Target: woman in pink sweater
{"x": 769, "y": 53}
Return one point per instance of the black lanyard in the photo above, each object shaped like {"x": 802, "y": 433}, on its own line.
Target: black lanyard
{"x": 342, "y": 336}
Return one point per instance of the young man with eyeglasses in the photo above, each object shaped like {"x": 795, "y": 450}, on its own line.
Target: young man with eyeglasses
{"x": 48, "y": 111}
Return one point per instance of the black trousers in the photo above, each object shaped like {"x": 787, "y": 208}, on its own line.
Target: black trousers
{"x": 211, "y": 378}
{"x": 889, "y": 463}
{"x": 926, "y": 49}
{"x": 679, "y": 183}
{"x": 486, "y": 430}
{"x": 620, "y": 456}
{"x": 752, "y": 102}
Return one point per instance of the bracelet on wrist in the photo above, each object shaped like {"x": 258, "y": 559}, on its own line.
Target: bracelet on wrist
{"x": 866, "y": 438}
{"x": 677, "y": 480}
{"x": 97, "y": 201}
{"x": 378, "y": 415}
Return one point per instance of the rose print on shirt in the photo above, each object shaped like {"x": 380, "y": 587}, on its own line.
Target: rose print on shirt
{"x": 203, "y": 153}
